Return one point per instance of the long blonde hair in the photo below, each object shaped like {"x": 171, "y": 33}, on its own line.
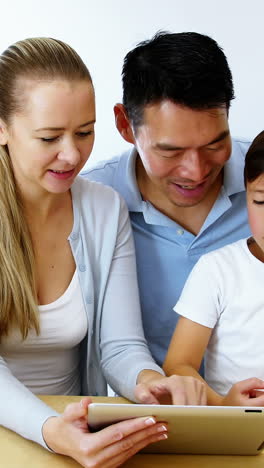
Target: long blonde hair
{"x": 35, "y": 59}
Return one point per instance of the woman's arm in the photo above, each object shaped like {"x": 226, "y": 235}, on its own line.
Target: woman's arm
{"x": 68, "y": 434}
{"x": 126, "y": 359}
{"x": 21, "y": 411}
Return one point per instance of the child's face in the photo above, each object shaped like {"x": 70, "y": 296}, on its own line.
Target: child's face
{"x": 255, "y": 204}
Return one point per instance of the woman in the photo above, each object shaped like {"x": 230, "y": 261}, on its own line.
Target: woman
{"x": 70, "y": 315}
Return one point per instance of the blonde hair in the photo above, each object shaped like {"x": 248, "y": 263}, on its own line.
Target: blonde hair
{"x": 35, "y": 59}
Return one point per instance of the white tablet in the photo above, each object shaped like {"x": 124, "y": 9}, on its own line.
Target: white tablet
{"x": 222, "y": 430}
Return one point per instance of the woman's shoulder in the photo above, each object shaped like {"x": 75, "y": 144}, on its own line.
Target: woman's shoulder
{"x": 95, "y": 192}
{"x": 98, "y": 201}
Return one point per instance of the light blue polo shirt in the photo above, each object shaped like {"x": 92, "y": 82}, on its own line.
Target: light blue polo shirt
{"x": 166, "y": 252}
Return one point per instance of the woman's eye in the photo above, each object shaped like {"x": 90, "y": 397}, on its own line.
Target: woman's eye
{"x": 84, "y": 134}
{"x": 48, "y": 140}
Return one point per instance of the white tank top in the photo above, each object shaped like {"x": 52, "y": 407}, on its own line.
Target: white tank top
{"x": 49, "y": 363}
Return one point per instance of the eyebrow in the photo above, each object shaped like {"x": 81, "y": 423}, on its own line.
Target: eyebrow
{"x": 168, "y": 147}
{"x": 56, "y": 129}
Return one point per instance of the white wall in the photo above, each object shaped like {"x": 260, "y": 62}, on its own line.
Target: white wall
{"x": 103, "y": 31}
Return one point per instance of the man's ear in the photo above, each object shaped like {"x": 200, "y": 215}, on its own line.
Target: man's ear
{"x": 123, "y": 124}
{"x": 3, "y": 133}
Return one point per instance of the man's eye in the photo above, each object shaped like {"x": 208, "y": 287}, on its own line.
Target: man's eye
{"x": 48, "y": 140}
{"x": 258, "y": 202}
{"x": 213, "y": 148}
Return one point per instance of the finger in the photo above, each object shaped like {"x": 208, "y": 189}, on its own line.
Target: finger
{"x": 203, "y": 395}
{"x": 188, "y": 391}
{"x": 144, "y": 395}
{"x": 119, "y": 431}
{"x": 258, "y": 401}
{"x": 250, "y": 384}
{"x": 177, "y": 389}
{"x": 76, "y": 411}
{"x": 192, "y": 391}
{"x": 119, "y": 452}
{"x": 181, "y": 389}
{"x": 166, "y": 388}
{"x": 124, "y": 456}
{"x": 256, "y": 393}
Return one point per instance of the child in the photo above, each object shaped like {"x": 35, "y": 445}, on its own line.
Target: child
{"x": 222, "y": 308}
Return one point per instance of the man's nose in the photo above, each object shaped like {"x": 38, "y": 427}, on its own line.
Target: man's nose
{"x": 193, "y": 166}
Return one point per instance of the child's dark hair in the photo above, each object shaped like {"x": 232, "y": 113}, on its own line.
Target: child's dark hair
{"x": 254, "y": 162}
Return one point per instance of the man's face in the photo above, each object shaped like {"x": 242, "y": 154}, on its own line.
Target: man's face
{"x": 182, "y": 151}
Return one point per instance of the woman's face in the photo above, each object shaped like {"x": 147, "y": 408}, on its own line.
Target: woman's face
{"x": 255, "y": 204}
{"x": 51, "y": 138}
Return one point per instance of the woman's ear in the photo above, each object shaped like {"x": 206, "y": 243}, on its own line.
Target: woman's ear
{"x": 123, "y": 124}
{"x": 3, "y": 133}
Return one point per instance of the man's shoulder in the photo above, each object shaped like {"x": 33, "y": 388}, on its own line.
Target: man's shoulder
{"x": 240, "y": 146}
{"x": 106, "y": 171}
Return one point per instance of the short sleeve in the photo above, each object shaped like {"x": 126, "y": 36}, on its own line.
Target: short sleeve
{"x": 200, "y": 301}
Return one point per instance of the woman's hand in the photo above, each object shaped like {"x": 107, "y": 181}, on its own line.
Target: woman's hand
{"x": 153, "y": 388}
{"x": 68, "y": 434}
{"x": 245, "y": 393}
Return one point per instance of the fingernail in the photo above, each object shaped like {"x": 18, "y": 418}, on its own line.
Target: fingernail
{"x": 150, "y": 421}
{"x": 163, "y": 436}
{"x": 162, "y": 429}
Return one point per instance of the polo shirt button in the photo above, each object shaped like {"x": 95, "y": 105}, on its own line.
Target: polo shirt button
{"x": 180, "y": 232}
{"x": 82, "y": 267}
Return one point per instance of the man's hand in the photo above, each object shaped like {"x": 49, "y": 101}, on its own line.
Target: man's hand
{"x": 153, "y": 388}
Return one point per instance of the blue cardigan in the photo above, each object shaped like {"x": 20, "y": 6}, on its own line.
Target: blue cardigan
{"x": 115, "y": 350}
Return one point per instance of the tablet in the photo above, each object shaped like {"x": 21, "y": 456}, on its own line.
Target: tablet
{"x": 225, "y": 430}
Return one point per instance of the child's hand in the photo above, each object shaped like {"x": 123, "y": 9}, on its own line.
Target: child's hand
{"x": 245, "y": 393}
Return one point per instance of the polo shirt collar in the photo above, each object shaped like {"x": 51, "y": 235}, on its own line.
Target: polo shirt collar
{"x": 233, "y": 171}
{"x": 127, "y": 181}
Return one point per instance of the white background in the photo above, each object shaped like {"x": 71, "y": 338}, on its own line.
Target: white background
{"x": 103, "y": 31}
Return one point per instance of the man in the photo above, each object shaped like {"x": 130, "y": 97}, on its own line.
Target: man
{"x": 184, "y": 193}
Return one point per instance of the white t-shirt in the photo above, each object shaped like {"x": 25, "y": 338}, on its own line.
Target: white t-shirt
{"x": 49, "y": 363}
{"x": 225, "y": 291}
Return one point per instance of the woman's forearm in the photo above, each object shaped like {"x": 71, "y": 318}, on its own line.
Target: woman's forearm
{"x": 21, "y": 411}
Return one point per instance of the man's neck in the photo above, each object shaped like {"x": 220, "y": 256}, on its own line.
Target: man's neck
{"x": 190, "y": 218}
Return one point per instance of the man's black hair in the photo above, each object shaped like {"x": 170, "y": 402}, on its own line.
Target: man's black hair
{"x": 187, "y": 68}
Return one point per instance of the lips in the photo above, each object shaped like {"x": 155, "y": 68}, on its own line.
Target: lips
{"x": 59, "y": 172}
{"x": 189, "y": 191}
{"x": 61, "y": 175}
{"x": 189, "y": 187}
